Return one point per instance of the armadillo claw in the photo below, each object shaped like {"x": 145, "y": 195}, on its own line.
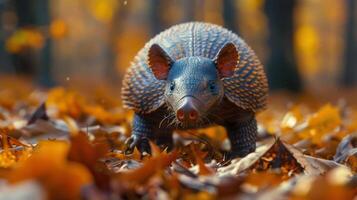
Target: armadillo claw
{"x": 141, "y": 143}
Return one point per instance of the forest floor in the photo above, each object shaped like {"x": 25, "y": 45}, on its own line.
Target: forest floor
{"x": 69, "y": 144}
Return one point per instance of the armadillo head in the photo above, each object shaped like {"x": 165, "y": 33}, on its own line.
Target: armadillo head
{"x": 193, "y": 84}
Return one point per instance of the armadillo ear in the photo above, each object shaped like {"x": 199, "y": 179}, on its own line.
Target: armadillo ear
{"x": 226, "y": 60}
{"x": 159, "y": 62}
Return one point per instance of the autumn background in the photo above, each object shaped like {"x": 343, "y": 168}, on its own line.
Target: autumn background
{"x": 62, "y": 126}
{"x": 304, "y": 44}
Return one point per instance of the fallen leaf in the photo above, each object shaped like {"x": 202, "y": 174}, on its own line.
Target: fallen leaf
{"x": 280, "y": 157}
{"x": 48, "y": 165}
{"x": 149, "y": 169}
{"x": 88, "y": 154}
{"x": 40, "y": 113}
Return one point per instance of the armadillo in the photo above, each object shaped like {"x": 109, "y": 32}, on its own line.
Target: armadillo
{"x": 195, "y": 75}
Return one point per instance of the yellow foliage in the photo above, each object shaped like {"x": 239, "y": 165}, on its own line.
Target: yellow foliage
{"x": 324, "y": 121}
{"x": 104, "y": 116}
{"x": 307, "y": 44}
{"x": 252, "y": 4}
{"x": 134, "y": 37}
{"x": 103, "y": 10}
{"x": 70, "y": 103}
{"x": 291, "y": 118}
{"x": 58, "y": 29}
{"x": 7, "y": 159}
{"x": 200, "y": 196}
{"x": 269, "y": 120}
{"x": 327, "y": 118}
{"x": 66, "y": 102}
{"x": 217, "y": 133}
{"x": 23, "y": 39}
{"x": 8, "y": 156}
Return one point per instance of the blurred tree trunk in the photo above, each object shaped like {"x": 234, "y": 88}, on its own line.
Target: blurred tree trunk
{"x": 350, "y": 68}
{"x": 115, "y": 30}
{"x": 281, "y": 66}
{"x": 189, "y": 10}
{"x": 43, "y": 18}
{"x": 156, "y": 24}
{"x": 187, "y": 7}
{"x": 34, "y": 13}
{"x": 5, "y": 29}
{"x": 24, "y": 62}
{"x": 230, "y": 15}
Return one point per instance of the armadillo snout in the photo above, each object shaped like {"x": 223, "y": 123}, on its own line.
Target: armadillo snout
{"x": 187, "y": 112}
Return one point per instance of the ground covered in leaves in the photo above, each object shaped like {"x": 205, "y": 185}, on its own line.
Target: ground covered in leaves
{"x": 69, "y": 144}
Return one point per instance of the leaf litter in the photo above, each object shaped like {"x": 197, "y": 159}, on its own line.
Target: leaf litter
{"x": 63, "y": 144}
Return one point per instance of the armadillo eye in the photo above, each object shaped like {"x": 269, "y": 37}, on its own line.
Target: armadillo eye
{"x": 212, "y": 86}
{"x": 172, "y": 86}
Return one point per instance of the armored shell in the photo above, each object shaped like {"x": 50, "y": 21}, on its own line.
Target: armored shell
{"x": 247, "y": 88}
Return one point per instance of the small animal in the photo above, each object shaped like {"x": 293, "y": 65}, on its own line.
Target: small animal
{"x": 194, "y": 75}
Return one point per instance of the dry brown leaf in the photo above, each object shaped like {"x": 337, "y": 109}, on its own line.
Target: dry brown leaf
{"x": 199, "y": 155}
{"x": 40, "y": 113}
{"x": 280, "y": 157}
{"x": 149, "y": 169}
{"x": 94, "y": 165}
{"x": 48, "y": 165}
{"x": 88, "y": 154}
{"x": 333, "y": 185}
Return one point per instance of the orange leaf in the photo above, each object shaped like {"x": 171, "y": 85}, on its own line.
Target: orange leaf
{"x": 83, "y": 151}
{"x": 48, "y": 165}
{"x": 203, "y": 169}
{"x": 149, "y": 169}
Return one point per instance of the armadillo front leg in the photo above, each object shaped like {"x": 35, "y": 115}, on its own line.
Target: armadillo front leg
{"x": 164, "y": 139}
{"x": 242, "y": 135}
{"x": 141, "y": 133}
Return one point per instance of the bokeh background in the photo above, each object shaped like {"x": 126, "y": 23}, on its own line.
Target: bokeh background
{"x": 306, "y": 45}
